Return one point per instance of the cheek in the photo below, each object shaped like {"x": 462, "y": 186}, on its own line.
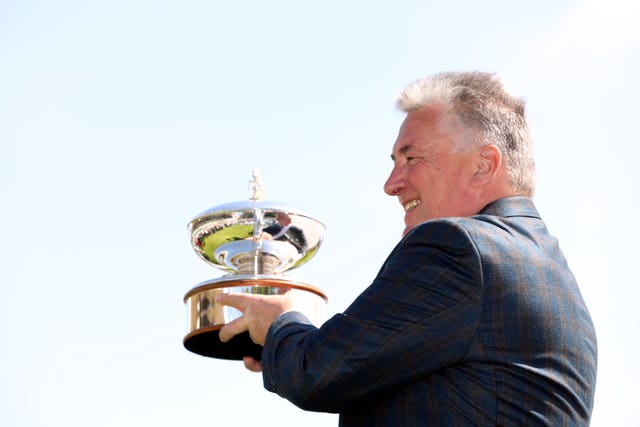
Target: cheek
{"x": 454, "y": 179}
{"x": 423, "y": 180}
{"x": 442, "y": 194}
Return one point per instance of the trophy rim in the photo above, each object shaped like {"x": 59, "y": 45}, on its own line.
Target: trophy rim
{"x": 265, "y": 281}
{"x": 251, "y": 205}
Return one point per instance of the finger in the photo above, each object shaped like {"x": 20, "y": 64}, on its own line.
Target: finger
{"x": 232, "y": 300}
{"x": 252, "y": 364}
{"x": 232, "y": 329}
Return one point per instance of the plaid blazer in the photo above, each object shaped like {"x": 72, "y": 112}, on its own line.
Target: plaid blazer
{"x": 470, "y": 321}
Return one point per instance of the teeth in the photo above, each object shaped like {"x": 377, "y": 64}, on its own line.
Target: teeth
{"x": 412, "y": 204}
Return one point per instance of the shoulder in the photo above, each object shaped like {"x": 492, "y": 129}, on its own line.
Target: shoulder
{"x": 443, "y": 234}
{"x": 433, "y": 248}
{"x": 440, "y": 230}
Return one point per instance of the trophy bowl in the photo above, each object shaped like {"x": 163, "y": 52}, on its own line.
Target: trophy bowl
{"x": 234, "y": 236}
{"x": 255, "y": 242}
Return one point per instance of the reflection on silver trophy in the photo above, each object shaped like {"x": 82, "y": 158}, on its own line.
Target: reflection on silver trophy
{"x": 255, "y": 242}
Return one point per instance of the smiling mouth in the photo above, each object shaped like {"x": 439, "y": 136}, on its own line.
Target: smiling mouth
{"x": 411, "y": 205}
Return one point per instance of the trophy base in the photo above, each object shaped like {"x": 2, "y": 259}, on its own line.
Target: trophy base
{"x": 207, "y": 343}
{"x": 206, "y": 318}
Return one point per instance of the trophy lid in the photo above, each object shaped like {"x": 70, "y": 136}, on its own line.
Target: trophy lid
{"x": 255, "y": 236}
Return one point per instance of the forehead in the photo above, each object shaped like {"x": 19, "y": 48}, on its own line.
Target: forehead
{"x": 422, "y": 130}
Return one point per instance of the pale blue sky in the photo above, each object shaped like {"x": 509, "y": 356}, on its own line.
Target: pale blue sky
{"x": 121, "y": 120}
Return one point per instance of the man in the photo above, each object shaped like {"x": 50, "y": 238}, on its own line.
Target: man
{"x": 475, "y": 317}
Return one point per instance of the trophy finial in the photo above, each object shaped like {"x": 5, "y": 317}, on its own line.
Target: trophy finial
{"x": 256, "y": 187}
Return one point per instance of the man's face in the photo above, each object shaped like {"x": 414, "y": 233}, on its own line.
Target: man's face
{"x": 430, "y": 178}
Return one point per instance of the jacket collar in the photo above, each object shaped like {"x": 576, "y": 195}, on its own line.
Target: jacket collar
{"x": 511, "y": 206}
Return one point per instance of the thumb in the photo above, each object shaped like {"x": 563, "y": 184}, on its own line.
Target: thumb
{"x": 252, "y": 364}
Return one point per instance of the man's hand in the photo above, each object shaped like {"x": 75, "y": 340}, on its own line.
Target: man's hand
{"x": 259, "y": 312}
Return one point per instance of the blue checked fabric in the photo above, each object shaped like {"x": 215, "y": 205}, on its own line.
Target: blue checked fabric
{"x": 470, "y": 322}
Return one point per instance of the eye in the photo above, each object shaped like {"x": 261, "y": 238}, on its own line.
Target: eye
{"x": 411, "y": 160}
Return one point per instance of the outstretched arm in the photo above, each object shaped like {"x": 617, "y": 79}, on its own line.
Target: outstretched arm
{"x": 419, "y": 316}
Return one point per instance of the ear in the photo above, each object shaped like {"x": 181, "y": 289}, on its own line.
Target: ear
{"x": 488, "y": 163}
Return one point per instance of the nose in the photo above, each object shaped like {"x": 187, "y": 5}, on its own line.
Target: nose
{"x": 395, "y": 182}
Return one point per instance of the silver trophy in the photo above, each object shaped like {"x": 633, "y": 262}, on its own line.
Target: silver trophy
{"x": 255, "y": 242}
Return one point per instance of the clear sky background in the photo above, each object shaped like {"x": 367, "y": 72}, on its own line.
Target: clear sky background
{"x": 122, "y": 120}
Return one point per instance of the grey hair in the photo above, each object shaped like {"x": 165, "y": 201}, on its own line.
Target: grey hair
{"x": 480, "y": 103}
